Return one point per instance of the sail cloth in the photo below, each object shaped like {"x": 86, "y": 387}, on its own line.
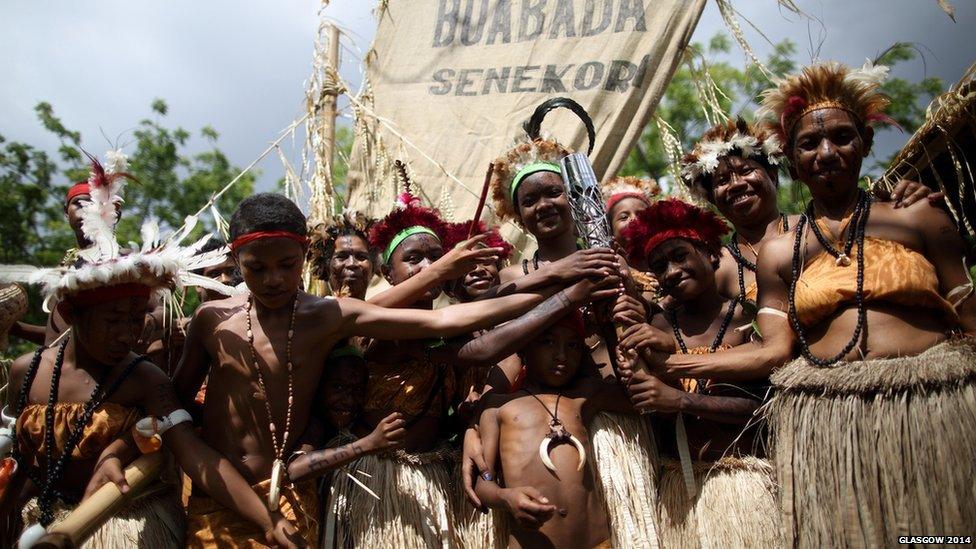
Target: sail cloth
{"x": 449, "y": 83}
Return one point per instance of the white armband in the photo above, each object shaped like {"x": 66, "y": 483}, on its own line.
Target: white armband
{"x": 772, "y": 311}
{"x": 8, "y": 427}
{"x": 959, "y": 294}
{"x": 149, "y": 426}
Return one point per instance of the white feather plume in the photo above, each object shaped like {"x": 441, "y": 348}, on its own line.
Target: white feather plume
{"x": 869, "y": 74}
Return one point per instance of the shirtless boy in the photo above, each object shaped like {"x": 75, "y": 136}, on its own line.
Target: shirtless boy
{"x": 554, "y": 504}
{"x": 248, "y": 342}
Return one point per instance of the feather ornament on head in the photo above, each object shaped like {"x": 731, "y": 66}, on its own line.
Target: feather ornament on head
{"x": 672, "y": 218}
{"x": 407, "y": 218}
{"x": 618, "y": 188}
{"x": 323, "y": 237}
{"x": 100, "y": 214}
{"x": 736, "y": 137}
{"x": 456, "y": 233}
{"x": 157, "y": 267}
{"x": 826, "y": 85}
{"x": 532, "y": 153}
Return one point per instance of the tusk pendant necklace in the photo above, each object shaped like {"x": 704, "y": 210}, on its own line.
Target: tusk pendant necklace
{"x": 557, "y": 434}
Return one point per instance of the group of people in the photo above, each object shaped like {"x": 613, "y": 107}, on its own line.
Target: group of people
{"x": 748, "y": 379}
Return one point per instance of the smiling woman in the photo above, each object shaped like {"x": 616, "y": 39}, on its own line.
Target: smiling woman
{"x": 874, "y": 295}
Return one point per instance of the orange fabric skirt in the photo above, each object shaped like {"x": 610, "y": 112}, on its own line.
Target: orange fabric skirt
{"x": 212, "y": 525}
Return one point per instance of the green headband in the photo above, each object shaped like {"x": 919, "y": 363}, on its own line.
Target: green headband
{"x": 402, "y": 235}
{"x": 529, "y": 170}
{"x": 345, "y": 350}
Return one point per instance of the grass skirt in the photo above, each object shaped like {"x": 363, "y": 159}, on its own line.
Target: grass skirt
{"x": 414, "y": 509}
{"x": 868, "y": 451}
{"x": 625, "y": 458}
{"x": 152, "y": 520}
{"x": 473, "y": 529}
{"x": 735, "y": 505}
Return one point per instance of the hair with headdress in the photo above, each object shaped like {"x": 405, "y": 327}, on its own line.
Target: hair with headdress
{"x": 455, "y": 233}
{"x": 106, "y": 271}
{"x": 407, "y": 219}
{"x": 826, "y": 85}
{"x": 731, "y": 138}
{"x": 532, "y": 154}
{"x": 323, "y": 237}
{"x": 672, "y": 218}
{"x": 627, "y": 186}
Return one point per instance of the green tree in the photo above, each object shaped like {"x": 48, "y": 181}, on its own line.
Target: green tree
{"x": 739, "y": 89}
{"x": 172, "y": 183}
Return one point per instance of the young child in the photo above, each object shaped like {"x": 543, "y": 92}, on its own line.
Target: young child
{"x": 264, "y": 352}
{"x": 75, "y": 402}
{"x": 538, "y": 436}
{"x": 733, "y": 499}
{"x": 341, "y": 439}
{"x": 528, "y": 188}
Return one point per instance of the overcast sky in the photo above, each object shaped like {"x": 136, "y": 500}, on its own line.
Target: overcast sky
{"x": 240, "y": 66}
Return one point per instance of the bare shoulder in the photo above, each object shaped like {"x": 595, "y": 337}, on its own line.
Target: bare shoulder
{"x": 211, "y": 313}
{"x": 494, "y": 400}
{"x": 18, "y": 371}
{"x": 922, "y": 216}
{"x": 777, "y": 249}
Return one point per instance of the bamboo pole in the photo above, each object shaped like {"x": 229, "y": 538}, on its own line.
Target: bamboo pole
{"x": 318, "y": 210}
{"x": 92, "y": 513}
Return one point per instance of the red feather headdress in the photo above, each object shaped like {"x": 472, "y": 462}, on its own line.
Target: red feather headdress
{"x": 672, "y": 218}
{"x": 458, "y": 232}
{"x": 407, "y": 213}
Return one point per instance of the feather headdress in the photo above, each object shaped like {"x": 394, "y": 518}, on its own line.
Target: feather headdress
{"x": 323, "y": 237}
{"x": 729, "y": 138}
{"x": 618, "y": 188}
{"x": 455, "y": 233}
{"x": 105, "y": 264}
{"x": 826, "y": 85}
{"x": 408, "y": 217}
{"x": 532, "y": 153}
{"x": 672, "y": 218}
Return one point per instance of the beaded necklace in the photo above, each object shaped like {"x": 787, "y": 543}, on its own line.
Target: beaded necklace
{"x": 857, "y": 226}
{"x": 672, "y": 316}
{"x": 741, "y": 261}
{"x": 55, "y": 468}
{"x": 278, "y": 467}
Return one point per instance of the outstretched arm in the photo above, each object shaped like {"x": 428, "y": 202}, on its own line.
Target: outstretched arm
{"x": 512, "y": 336}
{"x": 359, "y": 318}
{"x": 593, "y": 263}
{"x": 456, "y": 263}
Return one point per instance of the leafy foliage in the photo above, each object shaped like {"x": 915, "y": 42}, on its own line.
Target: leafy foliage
{"x": 739, "y": 88}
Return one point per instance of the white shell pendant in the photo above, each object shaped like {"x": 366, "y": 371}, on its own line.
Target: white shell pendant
{"x": 557, "y": 433}
{"x": 274, "y": 492}
{"x": 843, "y": 261}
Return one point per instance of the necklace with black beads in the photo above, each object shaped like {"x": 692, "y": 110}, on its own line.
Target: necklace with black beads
{"x": 858, "y": 224}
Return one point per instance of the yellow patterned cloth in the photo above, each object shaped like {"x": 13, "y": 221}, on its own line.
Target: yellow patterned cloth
{"x": 892, "y": 274}
{"x": 212, "y": 525}
{"x": 403, "y": 382}
{"x": 108, "y": 422}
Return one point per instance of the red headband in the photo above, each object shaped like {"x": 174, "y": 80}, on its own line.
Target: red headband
{"x": 243, "y": 240}
{"x": 612, "y": 201}
{"x": 102, "y": 294}
{"x": 81, "y": 187}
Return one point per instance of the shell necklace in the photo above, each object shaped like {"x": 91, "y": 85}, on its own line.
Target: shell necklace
{"x": 278, "y": 467}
